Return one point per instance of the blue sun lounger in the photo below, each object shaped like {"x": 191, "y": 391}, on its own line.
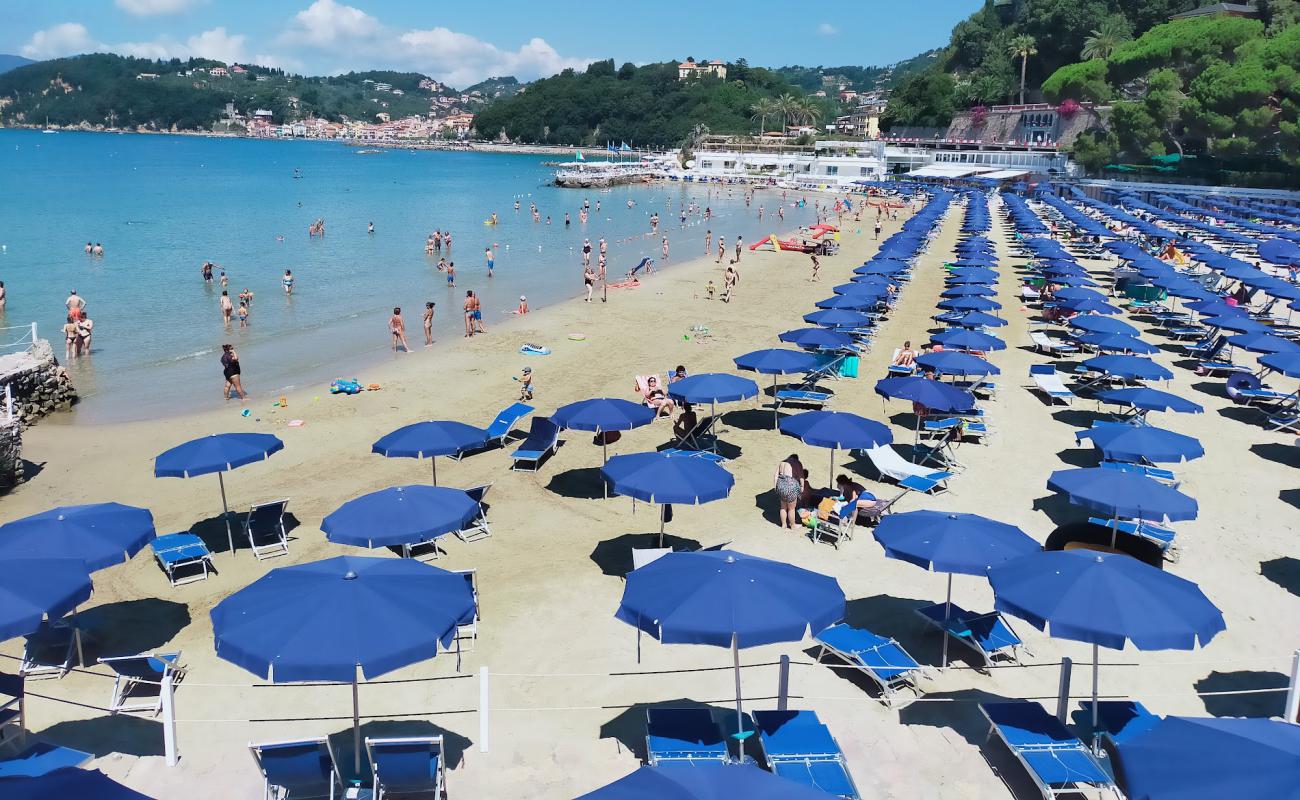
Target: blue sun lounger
{"x": 1057, "y": 762}
{"x": 1162, "y": 537}
{"x": 407, "y": 766}
{"x": 42, "y": 758}
{"x": 881, "y": 659}
{"x": 1165, "y": 476}
{"x": 683, "y": 735}
{"x": 182, "y": 552}
{"x": 988, "y": 634}
{"x": 798, "y": 747}
{"x": 543, "y": 438}
{"x": 499, "y": 431}
{"x": 304, "y": 768}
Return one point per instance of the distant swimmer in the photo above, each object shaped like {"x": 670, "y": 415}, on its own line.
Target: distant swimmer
{"x": 516, "y": 205}
{"x": 99, "y": 249}
{"x": 246, "y": 296}
{"x": 370, "y": 229}
{"x": 494, "y": 218}
{"x": 224, "y": 280}
{"x": 90, "y": 248}
{"x": 287, "y": 282}
{"x": 631, "y": 203}
{"x": 206, "y": 271}
{"x": 566, "y": 219}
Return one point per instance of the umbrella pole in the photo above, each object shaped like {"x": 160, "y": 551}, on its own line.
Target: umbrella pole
{"x": 1096, "y": 668}
{"x": 832, "y": 483}
{"x": 735, "y": 657}
{"x": 713, "y": 420}
{"x": 947, "y": 612}
{"x": 225, "y": 514}
{"x": 356, "y": 727}
{"x": 776, "y": 407}
{"x": 604, "y": 459}
{"x": 434, "y": 461}
{"x": 1114, "y": 530}
{"x": 662, "y": 514}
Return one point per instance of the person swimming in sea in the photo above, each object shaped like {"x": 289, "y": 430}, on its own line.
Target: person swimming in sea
{"x": 287, "y": 281}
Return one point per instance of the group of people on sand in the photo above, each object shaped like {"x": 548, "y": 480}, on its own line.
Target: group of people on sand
{"x": 95, "y": 249}
{"x": 802, "y": 504}
{"x": 79, "y": 328}
{"x": 654, "y": 394}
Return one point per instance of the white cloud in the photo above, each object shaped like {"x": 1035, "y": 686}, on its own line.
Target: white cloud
{"x": 349, "y": 38}
{"x": 68, "y": 38}
{"x": 216, "y": 44}
{"x": 827, "y": 29}
{"x": 151, "y": 8}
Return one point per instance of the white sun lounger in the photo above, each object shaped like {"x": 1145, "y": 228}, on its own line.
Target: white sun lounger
{"x": 1048, "y": 380}
{"x": 1050, "y": 344}
{"x": 891, "y": 465}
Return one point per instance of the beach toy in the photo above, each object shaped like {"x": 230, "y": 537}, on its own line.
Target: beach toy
{"x": 530, "y": 349}
{"x": 578, "y": 337}
{"x": 373, "y": 387}
{"x": 342, "y": 386}
{"x": 245, "y": 413}
{"x": 295, "y": 423}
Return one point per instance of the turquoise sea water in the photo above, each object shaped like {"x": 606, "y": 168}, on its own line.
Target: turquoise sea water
{"x": 161, "y": 205}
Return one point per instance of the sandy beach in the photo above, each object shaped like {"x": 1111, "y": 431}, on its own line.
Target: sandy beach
{"x": 567, "y": 690}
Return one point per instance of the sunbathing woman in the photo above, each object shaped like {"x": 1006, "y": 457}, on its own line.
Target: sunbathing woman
{"x": 657, "y": 398}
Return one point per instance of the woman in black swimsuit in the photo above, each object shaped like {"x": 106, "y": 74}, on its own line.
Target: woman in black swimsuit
{"x": 230, "y": 369}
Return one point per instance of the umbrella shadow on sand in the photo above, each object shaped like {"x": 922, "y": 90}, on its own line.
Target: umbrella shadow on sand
{"x": 453, "y": 744}
{"x": 748, "y": 419}
{"x": 1081, "y": 456}
{"x": 1284, "y": 571}
{"x": 212, "y": 530}
{"x": 614, "y": 556}
{"x": 1059, "y": 509}
{"x": 1259, "y": 704}
{"x": 580, "y": 483}
{"x": 628, "y": 729}
{"x": 130, "y": 627}
{"x": 896, "y": 618}
{"x": 106, "y": 735}
{"x": 1284, "y": 454}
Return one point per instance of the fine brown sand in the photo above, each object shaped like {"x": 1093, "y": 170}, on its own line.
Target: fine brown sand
{"x": 567, "y": 717}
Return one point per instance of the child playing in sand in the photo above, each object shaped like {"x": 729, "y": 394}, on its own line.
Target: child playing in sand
{"x": 709, "y": 289}
{"x": 526, "y": 384}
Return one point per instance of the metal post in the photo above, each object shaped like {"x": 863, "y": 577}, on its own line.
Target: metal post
{"x": 483, "y": 709}
{"x": 735, "y": 655}
{"x": 1063, "y": 693}
{"x": 225, "y": 514}
{"x": 947, "y": 613}
{"x": 1096, "y": 680}
{"x": 33, "y": 333}
{"x": 663, "y": 514}
{"x": 356, "y": 727}
{"x": 9, "y": 402}
{"x": 168, "y": 692}
{"x": 434, "y": 461}
{"x": 783, "y": 684}
{"x": 1293, "y": 692}
{"x": 832, "y": 483}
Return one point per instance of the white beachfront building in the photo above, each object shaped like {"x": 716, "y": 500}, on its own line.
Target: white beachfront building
{"x": 824, "y": 163}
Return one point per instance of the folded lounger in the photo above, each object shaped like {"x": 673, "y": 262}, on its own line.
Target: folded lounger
{"x": 409, "y": 765}
{"x": 890, "y": 464}
{"x": 798, "y": 747}
{"x": 478, "y": 527}
{"x": 298, "y": 769}
{"x": 182, "y": 552}
{"x": 1057, "y": 762}
{"x": 881, "y": 659}
{"x": 135, "y": 672}
{"x": 683, "y": 735}
{"x": 49, "y": 651}
{"x": 543, "y": 438}
{"x": 988, "y": 634}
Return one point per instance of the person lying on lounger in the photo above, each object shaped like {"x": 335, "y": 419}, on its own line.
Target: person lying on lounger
{"x": 655, "y": 397}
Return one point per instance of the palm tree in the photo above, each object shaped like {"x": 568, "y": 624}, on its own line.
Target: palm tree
{"x": 764, "y": 108}
{"x": 787, "y": 105}
{"x": 1022, "y": 47}
{"x": 1103, "y": 41}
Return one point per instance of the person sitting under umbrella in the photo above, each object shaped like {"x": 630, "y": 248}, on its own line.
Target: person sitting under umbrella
{"x": 854, "y": 493}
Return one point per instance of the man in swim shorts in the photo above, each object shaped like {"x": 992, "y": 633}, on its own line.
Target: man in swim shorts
{"x": 491, "y": 260}
{"x": 468, "y": 308}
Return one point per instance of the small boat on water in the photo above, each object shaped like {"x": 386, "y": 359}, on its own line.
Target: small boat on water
{"x": 368, "y": 152}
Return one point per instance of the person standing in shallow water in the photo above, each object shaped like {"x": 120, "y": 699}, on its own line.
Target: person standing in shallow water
{"x": 231, "y": 370}
{"x": 397, "y": 327}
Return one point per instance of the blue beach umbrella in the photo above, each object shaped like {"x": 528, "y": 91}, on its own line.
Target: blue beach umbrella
{"x": 665, "y": 479}
{"x": 1263, "y": 343}
{"x": 1089, "y": 306}
{"x": 325, "y": 620}
{"x": 430, "y": 440}
{"x": 72, "y": 783}
{"x": 836, "y": 318}
{"x": 967, "y": 544}
{"x": 219, "y": 453}
{"x": 33, "y": 589}
{"x": 816, "y": 338}
{"x": 1093, "y": 323}
{"x": 848, "y": 302}
{"x": 1076, "y": 293}
{"x": 969, "y": 304}
{"x": 864, "y": 284}
{"x": 776, "y": 361}
{"x": 1237, "y": 324}
{"x": 1117, "y": 342}
{"x": 100, "y": 534}
{"x": 948, "y": 362}
{"x": 603, "y": 414}
{"x": 978, "y": 319}
{"x": 1129, "y": 367}
{"x": 926, "y": 392}
{"x": 1106, "y": 600}
{"x": 981, "y": 274}
{"x": 1200, "y": 758}
{"x": 1145, "y": 399}
{"x": 400, "y": 515}
{"x": 836, "y": 430}
{"x": 881, "y": 268}
{"x": 1142, "y": 443}
{"x": 704, "y": 781}
{"x": 714, "y": 387}
{"x": 1073, "y": 281}
{"x": 1286, "y": 363}
{"x": 1122, "y": 494}
{"x": 729, "y": 599}
{"x": 964, "y": 339}
{"x": 969, "y": 290}
{"x": 970, "y": 280}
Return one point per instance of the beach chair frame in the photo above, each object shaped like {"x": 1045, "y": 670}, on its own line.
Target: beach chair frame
{"x": 265, "y": 522}
{"x": 890, "y": 687}
{"x": 13, "y": 710}
{"x": 438, "y": 780}
{"x": 1073, "y": 746}
{"x": 177, "y": 551}
{"x": 478, "y": 528}
{"x": 959, "y": 629}
{"x": 51, "y": 637}
{"x": 275, "y": 791}
{"x": 127, "y": 682}
{"x": 467, "y": 630}
{"x": 700, "y": 754}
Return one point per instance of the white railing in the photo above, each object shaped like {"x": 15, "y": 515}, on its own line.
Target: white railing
{"x": 17, "y": 338}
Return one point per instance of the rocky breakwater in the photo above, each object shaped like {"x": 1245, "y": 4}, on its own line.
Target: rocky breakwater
{"x": 36, "y": 381}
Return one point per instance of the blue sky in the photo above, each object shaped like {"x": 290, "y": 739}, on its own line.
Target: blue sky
{"x": 463, "y": 42}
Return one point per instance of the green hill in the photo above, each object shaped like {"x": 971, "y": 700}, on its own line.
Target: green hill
{"x": 859, "y": 79}
{"x": 8, "y": 62}
{"x": 119, "y": 91}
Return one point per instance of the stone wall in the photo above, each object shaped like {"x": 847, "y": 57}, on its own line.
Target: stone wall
{"x": 39, "y": 384}
{"x": 11, "y": 454}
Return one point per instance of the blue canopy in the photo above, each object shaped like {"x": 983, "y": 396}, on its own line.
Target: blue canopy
{"x": 1141, "y": 443}
{"x": 978, "y": 273}
{"x": 930, "y": 393}
{"x": 1106, "y": 599}
{"x": 836, "y": 429}
{"x": 322, "y": 620}
{"x": 969, "y": 290}
{"x": 1146, "y": 399}
{"x": 101, "y": 534}
{"x": 963, "y": 339}
{"x": 32, "y": 589}
{"x": 71, "y": 783}
{"x": 1129, "y": 367}
{"x": 967, "y": 544}
{"x": 816, "y": 338}
{"x": 978, "y": 319}
{"x": 218, "y": 452}
{"x": 1263, "y": 343}
{"x": 1238, "y": 324}
{"x": 949, "y": 362}
{"x": 662, "y": 478}
{"x": 400, "y": 515}
{"x": 704, "y": 781}
{"x": 1192, "y": 758}
{"x": 1117, "y": 342}
{"x": 1088, "y": 305}
{"x": 428, "y": 439}
{"x": 858, "y": 301}
{"x": 1286, "y": 363}
{"x": 603, "y": 414}
{"x": 1122, "y": 494}
{"x": 711, "y": 596}
{"x": 714, "y": 387}
{"x": 969, "y": 304}
{"x": 835, "y": 318}
{"x": 776, "y": 361}
{"x": 1094, "y": 323}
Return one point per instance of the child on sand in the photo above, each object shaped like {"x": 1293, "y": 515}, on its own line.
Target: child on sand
{"x": 709, "y": 289}
{"x": 526, "y": 384}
